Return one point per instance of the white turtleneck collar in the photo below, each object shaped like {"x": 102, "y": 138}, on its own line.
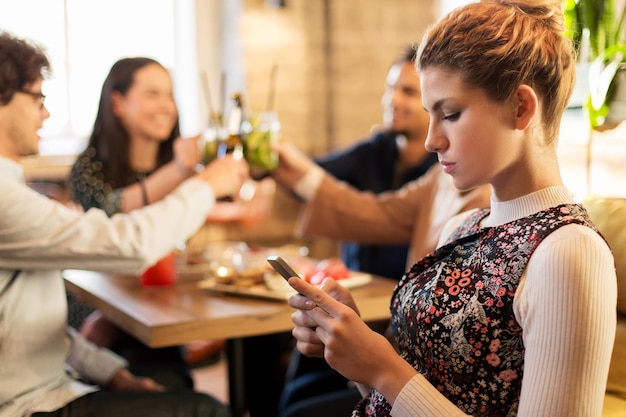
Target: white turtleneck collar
{"x": 507, "y": 211}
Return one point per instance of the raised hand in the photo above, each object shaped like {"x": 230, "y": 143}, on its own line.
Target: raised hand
{"x": 292, "y": 166}
{"x": 225, "y": 175}
{"x": 186, "y": 153}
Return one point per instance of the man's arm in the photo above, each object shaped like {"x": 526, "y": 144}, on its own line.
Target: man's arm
{"x": 342, "y": 212}
{"x": 47, "y": 235}
{"x": 103, "y": 367}
{"x": 95, "y": 364}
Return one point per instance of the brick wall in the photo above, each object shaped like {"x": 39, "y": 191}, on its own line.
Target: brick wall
{"x": 333, "y": 56}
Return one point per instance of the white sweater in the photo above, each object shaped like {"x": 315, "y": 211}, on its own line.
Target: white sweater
{"x": 566, "y": 306}
{"x": 41, "y": 237}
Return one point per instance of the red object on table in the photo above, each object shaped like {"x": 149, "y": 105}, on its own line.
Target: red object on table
{"x": 331, "y": 267}
{"x": 162, "y": 273}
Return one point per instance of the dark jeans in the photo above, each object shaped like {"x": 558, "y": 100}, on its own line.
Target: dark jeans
{"x": 164, "y": 365}
{"x": 141, "y": 404}
{"x": 339, "y": 403}
{"x": 265, "y": 360}
{"x": 314, "y": 389}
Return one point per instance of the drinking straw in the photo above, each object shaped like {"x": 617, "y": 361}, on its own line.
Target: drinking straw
{"x": 270, "y": 96}
{"x": 207, "y": 93}
{"x": 222, "y": 94}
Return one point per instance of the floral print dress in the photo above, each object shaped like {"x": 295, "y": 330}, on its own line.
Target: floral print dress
{"x": 452, "y": 312}
{"x": 92, "y": 188}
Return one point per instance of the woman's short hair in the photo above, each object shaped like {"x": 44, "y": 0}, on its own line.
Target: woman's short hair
{"x": 500, "y": 45}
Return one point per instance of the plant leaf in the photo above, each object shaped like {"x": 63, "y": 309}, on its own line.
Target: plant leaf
{"x": 602, "y": 72}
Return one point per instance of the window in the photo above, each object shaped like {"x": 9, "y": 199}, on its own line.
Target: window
{"x": 449, "y": 5}
{"x": 83, "y": 39}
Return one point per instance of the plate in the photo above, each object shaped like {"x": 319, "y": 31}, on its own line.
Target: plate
{"x": 275, "y": 282}
{"x": 192, "y": 272}
{"x": 276, "y": 287}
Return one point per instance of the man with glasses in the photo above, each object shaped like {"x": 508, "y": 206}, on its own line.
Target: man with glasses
{"x": 39, "y": 237}
{"x": 36, "y": 96}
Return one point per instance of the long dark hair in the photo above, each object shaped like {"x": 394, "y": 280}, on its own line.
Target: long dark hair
{"x": 109, "y": 138}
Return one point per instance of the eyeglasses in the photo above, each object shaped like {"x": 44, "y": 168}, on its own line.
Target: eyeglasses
{"x": 37, "y": 96}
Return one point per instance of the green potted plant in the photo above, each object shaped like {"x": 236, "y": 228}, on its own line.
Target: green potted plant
{"x": 593, "y": 25}
{"x": 597, "y": 30}
{"x": 606, "y": 104}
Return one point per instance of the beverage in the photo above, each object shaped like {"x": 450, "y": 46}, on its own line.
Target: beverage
{"x": 251, "y": 138}
{"x": 208, "y": 144}
{"x": 258, "y": 145}
{"x": 238, "y": 128}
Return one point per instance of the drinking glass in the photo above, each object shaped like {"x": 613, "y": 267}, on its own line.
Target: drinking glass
{"x": 258, "y": 145}
{"x": 210, "y": 140}
{"x": 225, "y": 259}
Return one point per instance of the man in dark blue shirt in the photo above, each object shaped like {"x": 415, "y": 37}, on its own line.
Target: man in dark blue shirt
{"x": 387, "y": 160}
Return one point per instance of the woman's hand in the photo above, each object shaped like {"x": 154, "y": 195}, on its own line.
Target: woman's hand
{"x": 124, "y": 380}
{"x": 187, "y": 154}
{"x": 225, "y": 175}
{"x": 247, "y": 213}
{"x": 305, "y": 331}
{"x": 328, "y": 324}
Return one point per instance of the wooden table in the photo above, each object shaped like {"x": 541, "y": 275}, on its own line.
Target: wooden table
{"x": 176, "y": 315}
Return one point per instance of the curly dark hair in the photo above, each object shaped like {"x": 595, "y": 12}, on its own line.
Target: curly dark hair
{"x": 21, "y": 63}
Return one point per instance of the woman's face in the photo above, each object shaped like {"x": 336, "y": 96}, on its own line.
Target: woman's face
{"x": 474, "y": 136}
{"x": 148, "y": 110}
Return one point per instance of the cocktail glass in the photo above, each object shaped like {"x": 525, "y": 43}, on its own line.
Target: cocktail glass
{"x": 258, "y": 145}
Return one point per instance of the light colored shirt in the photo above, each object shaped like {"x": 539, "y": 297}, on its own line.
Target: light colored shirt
{"x": 414, "y": 214}
{"x": 41, "y": 237}
{"x": 566, "y": 306}
{"x": 307, "y": 186}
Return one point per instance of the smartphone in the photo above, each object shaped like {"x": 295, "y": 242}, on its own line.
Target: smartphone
{"x": 282, "y": 267}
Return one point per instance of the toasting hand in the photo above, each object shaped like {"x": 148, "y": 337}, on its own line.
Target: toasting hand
{"x": 293, "y": 164}
{"x": 225, "y": 175}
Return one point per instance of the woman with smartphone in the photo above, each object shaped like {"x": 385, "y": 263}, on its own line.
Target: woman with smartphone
{"x": 514, "y": 312}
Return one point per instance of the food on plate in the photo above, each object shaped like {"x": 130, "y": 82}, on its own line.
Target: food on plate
{"x": 224, "y": 274}
{"x": 235, "y": 263}
{"x": 225, "y": 260}
{"x": 313, "y": 271}
{"x": 331, "y": 267}
{"x": 251, "y": 275}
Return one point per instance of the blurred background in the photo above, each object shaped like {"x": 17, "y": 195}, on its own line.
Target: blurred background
{"x": 330, "y": 58}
